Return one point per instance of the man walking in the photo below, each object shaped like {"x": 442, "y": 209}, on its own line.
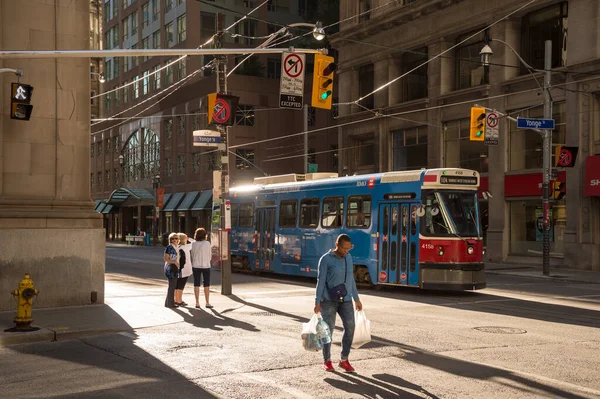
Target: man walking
{"x": 336, "y": 289}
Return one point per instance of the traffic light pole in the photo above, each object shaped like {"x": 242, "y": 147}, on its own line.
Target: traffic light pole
{"x": 226, "y": 282}
{"x": 547, "y": 148}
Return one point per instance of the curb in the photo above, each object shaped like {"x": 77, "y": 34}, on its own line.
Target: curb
{"x": 17, "y": 338}
{"x": 558, "y": 278}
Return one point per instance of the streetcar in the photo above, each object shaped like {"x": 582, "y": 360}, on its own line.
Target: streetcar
{"x": 416, "y": 228}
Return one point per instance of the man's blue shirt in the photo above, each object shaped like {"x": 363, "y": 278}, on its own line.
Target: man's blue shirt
{"x": 331, "y": 273}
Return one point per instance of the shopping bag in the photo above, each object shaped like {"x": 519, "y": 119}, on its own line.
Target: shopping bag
{"x": 362, "y": 330}
{"x": 310, "y": 338}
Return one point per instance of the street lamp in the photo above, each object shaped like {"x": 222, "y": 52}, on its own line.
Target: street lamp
{"x": 101, "y": 77}
{"x": 486, "y": 53}
{"x": 155, "y": 185}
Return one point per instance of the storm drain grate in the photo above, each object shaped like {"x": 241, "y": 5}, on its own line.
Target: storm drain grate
{"x": 501, "y": 330}
{"x": 263, "y": 314}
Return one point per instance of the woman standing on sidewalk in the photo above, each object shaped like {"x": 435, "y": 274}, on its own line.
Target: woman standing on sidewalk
{"x": 186, "y": 267}
{"x": 171, "y": 268}
{"x": 201, "y": 254}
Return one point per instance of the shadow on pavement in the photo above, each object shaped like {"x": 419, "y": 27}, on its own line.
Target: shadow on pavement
{"x": 377, "y": 388}
{"x": 215, "y": 320}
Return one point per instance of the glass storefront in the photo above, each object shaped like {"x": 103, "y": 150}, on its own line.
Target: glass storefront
{"x": 526, "y": 234}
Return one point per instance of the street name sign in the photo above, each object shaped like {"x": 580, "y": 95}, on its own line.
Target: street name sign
{"x": 492, "y": 131}
{"x": 207, "y": 138}
{"x": 291, "y": 87}
{"x": 528, "y": 123}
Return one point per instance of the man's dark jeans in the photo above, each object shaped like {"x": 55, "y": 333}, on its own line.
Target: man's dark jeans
{"x": 346, "y": 312}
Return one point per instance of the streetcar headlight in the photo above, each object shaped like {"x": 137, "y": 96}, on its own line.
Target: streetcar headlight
{"x": 440, "y": 251}
{"x": 470, "y": 250}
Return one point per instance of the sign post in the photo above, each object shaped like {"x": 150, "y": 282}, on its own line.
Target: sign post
{"x": 291, "y": 88}
{"x": 492, "y": 131}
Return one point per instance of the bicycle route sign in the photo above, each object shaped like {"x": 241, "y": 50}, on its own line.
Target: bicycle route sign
{"x": 492, "y": 131}
{"x": 291, "y": 88}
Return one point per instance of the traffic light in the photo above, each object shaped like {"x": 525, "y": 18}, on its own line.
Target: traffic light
{"x": 558, "y": 190}
{"x": 20, "y": 98}
{"x": 221, "y": 109}
{"x": 322, "y": 89}
{"x": 477, "y": 130}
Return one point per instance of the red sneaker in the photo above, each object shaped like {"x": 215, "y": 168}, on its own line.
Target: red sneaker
{"x": 328, "y": 366}
{"x": 345, "y": 364}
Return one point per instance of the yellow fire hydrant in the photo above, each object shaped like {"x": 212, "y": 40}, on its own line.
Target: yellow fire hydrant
{"x": 24, "y": 295}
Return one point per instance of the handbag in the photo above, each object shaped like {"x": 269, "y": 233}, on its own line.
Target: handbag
{"x": 173, "y": 269}
{"x": 339, "y": 292}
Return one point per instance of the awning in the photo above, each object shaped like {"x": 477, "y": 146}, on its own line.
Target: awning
{"x": 172, "y": 205}
{"x": 203, "y": 201}
{"x": 98, "y": 202}
{"x": 131, "y": 197}
{"x": 591, "y": 183}
{"x": 187, "y": 201}
{"x": 107, "y": 208}
{"x": 100, "y": 207}
{"x": 166, "y": 199}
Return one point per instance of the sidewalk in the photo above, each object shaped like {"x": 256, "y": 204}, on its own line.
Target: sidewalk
{"x": 535, "y": 271}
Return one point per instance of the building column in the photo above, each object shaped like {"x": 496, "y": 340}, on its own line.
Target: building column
{"x": 395, "y": 89}
{"x": 381, "y": 72}
{"x": 45, "y": 173}
{"x": 344, "y": 86}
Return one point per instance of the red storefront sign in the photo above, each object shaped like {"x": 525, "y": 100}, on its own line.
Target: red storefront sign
{"x": 591, "y": 182}
{"x": 529, "y": 185}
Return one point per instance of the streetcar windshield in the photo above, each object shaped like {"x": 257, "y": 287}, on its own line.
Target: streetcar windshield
{"x": 451, "y": 213}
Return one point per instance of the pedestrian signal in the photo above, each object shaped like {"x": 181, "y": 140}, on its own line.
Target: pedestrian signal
{"x": 322, "y": 88}
{"x": 20, "y": 98}
{"x": 477, "y": 127}
{"x": 558, "y": 190}
{"x": 221, "y": 109}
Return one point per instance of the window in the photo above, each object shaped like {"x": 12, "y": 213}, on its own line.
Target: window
{"x": 181, "y": 125}
{"x": 115, "y": 68}
{"x": 245, "y": 28}
{"x": 107, "y": 101}
{"x": 281, "y": 6}
{"x": 208, "y": 26}
{"x": 180, "y": 165}
{"x": 156, "y": 39}
{"x": 525, "y": 233}
{"x": 146, "y": 46}
{"x": 244, "y": 159}
{"x": 366, "y": 84}
{"x": 134, "y": 60}
{"x": 169, "y": 35}
{"x": 169, "y": 5}
{"x": 288, "y": 213}
{"x": 182, "y": 68}
{"x": 359, "y": 212}
{"x": 364, "y": 10}
{"x": 309, "y": 212}
{"x": 246, "y": 214}
{"x": 116, "y": 144}
{"x": 99, "y": 147}
{"x": 469, "y": 71}
{"x": 196, "y": 161}
{"x": 107, "y": 177}
{"x": 196, "y": 120}
{"x": 107, "y": 147}
{"x": 116, "y": 98}
{"x": 132, "y": 158}
{"x": 462, "y": 152}
{"x": 409, "y": 149}
{"x": 92, "y": 180}
{"x": 169, "y": 74}
{"x": 155, "y": 10}
{"x": 168, "y": 167}
{"x": 364, "y": 152}
{"x": 157, "y": 74}
{"x": 244, "y": 115}
{"x": 274, "y": 68}
{"x": 99, "y": 179}
{"x": 526, "y": 145}
{"x": 546, "y": 24}
{"x": 181, "y": 29}
{"x": 125, "y": 29}
{"x": 126, "y": 94}
{"x": 145, "y": 15}
{"x": 116, "y": 176}
{"x": 414, "y": 85}
{"x": 145, "y": 82}
{"x": 333, "y": 212}
{"x": 168, "y": 128}
{"x": 136, "y": 87}
{"x": 134, "y": 23}
{"x": 234, "y": 215}
{"x": 92, "y": 152}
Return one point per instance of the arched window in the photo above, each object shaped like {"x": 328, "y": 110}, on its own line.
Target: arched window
{"x": 132, "y": 158}
{"x": 151, "y": 153}
{"x": 141, "y": 156}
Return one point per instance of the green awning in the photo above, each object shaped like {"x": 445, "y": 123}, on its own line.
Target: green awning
{"x": 107, "y": 208}
{"x": 203, "y": 201}
{"x": 188, "y": 201}
{"x": 172, "y": 205}
{"x": 101, "y": 207}
{"x": 166, "y": 199}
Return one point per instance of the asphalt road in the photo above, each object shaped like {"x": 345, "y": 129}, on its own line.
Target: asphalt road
{"x": 519, "y": 338}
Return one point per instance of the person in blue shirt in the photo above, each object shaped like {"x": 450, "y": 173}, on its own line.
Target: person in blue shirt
{"x": 171, "y": 268}
{"x": 336, "y": 268}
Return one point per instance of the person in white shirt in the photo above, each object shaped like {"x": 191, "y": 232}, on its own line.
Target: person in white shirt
{"x": 185, "y": 246}
{"x": 201, "y": 254}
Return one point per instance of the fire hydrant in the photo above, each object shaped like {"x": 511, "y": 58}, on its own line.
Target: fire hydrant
{"x": 24, "y": 295}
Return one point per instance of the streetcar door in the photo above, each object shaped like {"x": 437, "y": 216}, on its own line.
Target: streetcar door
{"x": 265, "y": 238}
{"x": 389, "y": 227}
{"x": 409, "y": 244}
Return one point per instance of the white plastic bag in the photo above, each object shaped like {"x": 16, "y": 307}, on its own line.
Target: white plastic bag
{"x": 310, "y": 339}
{"x": 362, "y": 330}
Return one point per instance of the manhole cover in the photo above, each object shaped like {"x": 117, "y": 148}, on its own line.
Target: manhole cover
{"x": 262, "y": 314}
{"x": 501, "y": 330}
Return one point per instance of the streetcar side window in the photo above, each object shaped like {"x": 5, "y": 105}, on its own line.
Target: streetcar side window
{"x": 309, "y": 212}
{"x": 246, "y": 218}
{"x": 288, "y": 213}
{"x": 359, "y": 212}
{"x": 333, "y": 212}
{"x": 234, "y": 215}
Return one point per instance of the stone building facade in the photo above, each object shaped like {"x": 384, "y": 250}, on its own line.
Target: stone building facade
{"x": 422, "y": 119}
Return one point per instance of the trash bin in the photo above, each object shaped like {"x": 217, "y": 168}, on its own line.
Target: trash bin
{"x": 147, "y": 239}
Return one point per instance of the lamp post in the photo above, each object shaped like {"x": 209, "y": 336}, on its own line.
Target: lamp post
{"x": 101, "y": 77}
{"x": 155, "y": 185}
{"x": 546, "y": 134}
